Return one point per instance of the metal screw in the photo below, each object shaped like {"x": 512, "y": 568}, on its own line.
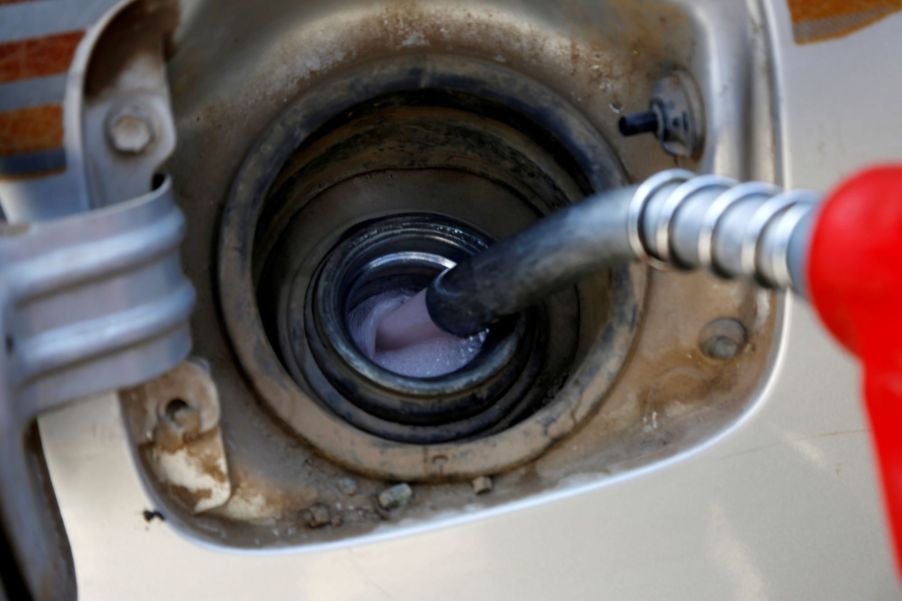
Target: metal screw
{"x": 130, "y": 130}
{"x": 723, "y": 338}
{"x": 639, "y": 123}
{"x": 675, "y": 115}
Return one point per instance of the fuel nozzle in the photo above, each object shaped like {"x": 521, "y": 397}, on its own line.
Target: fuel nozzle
{"x": 844, "y": 254}
{"x": 675, "y": 219}
{"x": 854, "y": 280}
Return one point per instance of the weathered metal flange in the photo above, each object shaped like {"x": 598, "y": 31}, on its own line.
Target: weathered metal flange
{"x": 591, "y": 160}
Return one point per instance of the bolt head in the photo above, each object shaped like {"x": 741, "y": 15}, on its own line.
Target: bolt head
{"x": 723, "y": 339}
{"x": 130, "y": 130}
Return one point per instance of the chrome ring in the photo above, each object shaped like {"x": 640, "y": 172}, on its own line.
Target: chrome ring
{"x": 778, "y": 259}
{"x": 640, "y": 198}
{"x": 673, "y": 202}
{"x": 763, "y": 215}
{"x": 716, "y": 211}
{"x": 409, "y": 257}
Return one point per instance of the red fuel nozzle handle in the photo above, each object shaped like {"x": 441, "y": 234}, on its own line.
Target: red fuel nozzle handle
{"x": 855, "y": 283}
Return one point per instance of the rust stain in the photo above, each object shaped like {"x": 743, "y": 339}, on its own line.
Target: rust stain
{"x": 38, "y": 57}
{"x": 31, "y": 129}
{"x": 821, "y": 20}
{"x": 188, "y": 497}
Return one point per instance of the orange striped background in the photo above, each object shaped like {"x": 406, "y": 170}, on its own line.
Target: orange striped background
{"x": 38, "y": 128}
{"x": 31, "y": 129}
{"x": 820, "y": 20}
{"x": 38, "y": 57}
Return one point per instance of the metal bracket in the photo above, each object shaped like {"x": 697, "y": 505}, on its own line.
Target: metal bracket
{"x": 89, "y": 303}
{"x": 179, "y": 434}
{"x": 92, "y": 293}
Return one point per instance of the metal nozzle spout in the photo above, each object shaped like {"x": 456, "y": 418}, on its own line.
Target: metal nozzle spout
{"x": 517, "y": 272}
{"x": 675, "y": 218}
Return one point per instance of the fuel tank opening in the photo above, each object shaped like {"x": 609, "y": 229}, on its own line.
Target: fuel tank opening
{"x": 489, "y": 382}
{"x": 379, "y": 266}
{"x": 320, "y": 119}
{"x": 372, "y": 184}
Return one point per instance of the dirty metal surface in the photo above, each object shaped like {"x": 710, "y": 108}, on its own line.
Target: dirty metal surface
{"x": 603, "y": 58}
{"x": 125, "y": 90}
{"x": 175, "y": 421}
{"x": 395, "y": 161}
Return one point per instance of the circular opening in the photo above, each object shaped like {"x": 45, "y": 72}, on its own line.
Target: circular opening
{"x": 375, "y": 182}
{"x": 374, "y": 270}
{"x": 437, "y": 355}
{"x": 404, "y": 253}
{"x": 174, "y": 407}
